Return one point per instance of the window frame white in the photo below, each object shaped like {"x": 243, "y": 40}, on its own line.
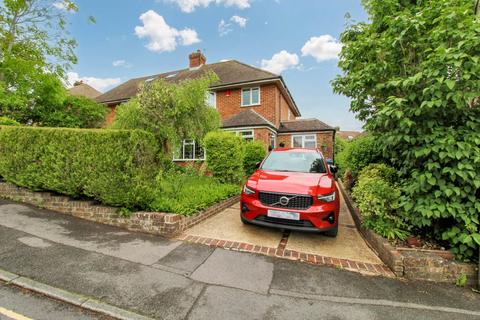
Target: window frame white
{"x": 304, "y": 140}
{"x": 245, "y": 137}
{"x": 214, "y": 94}
{"x": 189, "y": 142}
{"x": 242, "y": 103}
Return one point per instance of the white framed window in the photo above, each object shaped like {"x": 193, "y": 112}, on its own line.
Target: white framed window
{"x": 245, "y": 134}
{"x": 189, "y": 151}
{"x": 304, "y": 141}
{"x": 211, "y": 99}
{"x": 250, "y": 97}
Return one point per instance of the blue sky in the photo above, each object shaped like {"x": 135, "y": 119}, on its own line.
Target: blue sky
{"x": 295, "y": 37}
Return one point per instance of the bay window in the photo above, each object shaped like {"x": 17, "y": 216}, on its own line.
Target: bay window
{"x": 189, "y": 150}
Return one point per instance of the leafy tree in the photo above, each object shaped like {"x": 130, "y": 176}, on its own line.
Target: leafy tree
{"x": 413, "y": 74}
{"x": 172, "y": 112}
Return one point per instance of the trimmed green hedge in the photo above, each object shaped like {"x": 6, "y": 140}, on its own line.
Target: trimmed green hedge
{"x": 225, "y": 155}
{"x": 254, "y": 152}
{"x": 116, "y": 167}
{"x": 5, "y": 121}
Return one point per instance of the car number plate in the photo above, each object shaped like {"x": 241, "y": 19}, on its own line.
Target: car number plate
{"x": 283, "y": 214}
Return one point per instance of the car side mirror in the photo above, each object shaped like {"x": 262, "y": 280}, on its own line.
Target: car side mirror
{"x": 330, "y": 161}
{"x": 333, "y": 169}
{"x": 258, "y": 164}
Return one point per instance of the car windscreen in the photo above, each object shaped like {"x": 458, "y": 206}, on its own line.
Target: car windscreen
{"x": 308, "y": 162}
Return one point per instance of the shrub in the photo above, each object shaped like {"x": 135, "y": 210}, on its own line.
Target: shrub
{"x": 379, "y": 170}
{"x": 225, "y": 154}
{"x": 378, "y": 201}
{"x": 5, "y": 121}
{"x": 188, "y": 192}
{"x": 254, "y": 152}
{"x": 357, "y": 154}
{"x": 112, "y": 166}
{"x": 75, "y": 112}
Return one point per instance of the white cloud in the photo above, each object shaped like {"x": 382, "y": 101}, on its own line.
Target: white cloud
{"x": 224, "y": 28}
{"x": 190, "y": 5}
{"x": 242, "y": 22}
{"x": 163, "y": 37}
{"x": 101, "y": 84}
{"x": 60, "y": 5}
{"x": 121, "y": 63}
{"x": 280, "y": 61}
{"x": 322, "y": 48}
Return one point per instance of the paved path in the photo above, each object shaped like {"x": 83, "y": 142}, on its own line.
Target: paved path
{"x": 177, "y": 280}
{"x": 17, "y": 304}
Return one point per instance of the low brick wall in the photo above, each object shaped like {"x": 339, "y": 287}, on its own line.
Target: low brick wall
{"x": 417, "y": 264}
{"x": 159, "y": 223}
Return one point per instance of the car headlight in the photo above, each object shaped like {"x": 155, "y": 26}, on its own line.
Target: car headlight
{"x": 247, "y": 190}
{"x": 327, "y": 197}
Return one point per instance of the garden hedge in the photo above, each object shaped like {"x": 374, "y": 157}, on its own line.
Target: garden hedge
{"x": 116, "y": 167}
{"x": 225, "y": 155}
{"x": 254, "y": 153}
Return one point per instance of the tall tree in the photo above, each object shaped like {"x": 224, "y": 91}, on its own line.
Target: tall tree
{"x": 413, "y": 74}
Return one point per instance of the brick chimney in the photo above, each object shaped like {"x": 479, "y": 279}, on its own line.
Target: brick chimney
{"x": 197, "y": 59}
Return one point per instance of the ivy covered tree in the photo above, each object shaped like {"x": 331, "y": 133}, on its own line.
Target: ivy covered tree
{"x": 171, "y": 111}
{"x": 413, "y": 75}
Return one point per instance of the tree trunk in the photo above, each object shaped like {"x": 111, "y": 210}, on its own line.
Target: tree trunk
{"x": 477, "y": 8}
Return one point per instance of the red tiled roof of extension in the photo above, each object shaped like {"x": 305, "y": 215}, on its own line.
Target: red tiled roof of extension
{"x": 304, "y": 125}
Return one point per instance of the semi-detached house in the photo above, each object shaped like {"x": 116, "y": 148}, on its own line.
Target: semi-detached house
{"x": 253, "y": 103}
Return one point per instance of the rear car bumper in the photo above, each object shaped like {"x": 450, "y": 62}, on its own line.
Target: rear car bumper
{"x": 313, "y": 219}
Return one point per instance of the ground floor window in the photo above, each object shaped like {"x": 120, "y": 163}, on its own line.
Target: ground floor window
{"x": 245, "y": 134}
{"x": 304, "y": 141}
{"x": 189, "y": 150}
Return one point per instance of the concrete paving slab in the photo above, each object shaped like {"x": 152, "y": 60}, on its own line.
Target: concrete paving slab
{"x": 186, "y": 257}
{"x": 83, "y": 234}
{"x": 236, "y": 269}
{"x": 316, "y": 280}
{"x": 118, "y": 282}
{"x": 249, "y": 305}
{"x": 227, "y": 226}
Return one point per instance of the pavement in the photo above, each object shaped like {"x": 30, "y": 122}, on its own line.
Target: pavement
{"x": 164, "y": 279}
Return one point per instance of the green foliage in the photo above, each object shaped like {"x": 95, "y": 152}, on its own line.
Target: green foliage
{"x": 377, "y": 199}
{"x": 187, "y": 192}
{"x": 413, "y": 74}
{"x": 254, "y": 152}
{"x": 340, "y": 145}
{"x": 75, "y": 112}
{"x": 357, "y": 154}
{"x": 4, "y": 121}
{"x": 172, "y": 112}
{"x": 115, "y": 167}
{"x": 462, "y": 280}
{"x": 225, "y": 156}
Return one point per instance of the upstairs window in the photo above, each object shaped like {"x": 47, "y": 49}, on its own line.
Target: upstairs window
{"x": 211, "y": 99}
{"x": 250, "y": 97}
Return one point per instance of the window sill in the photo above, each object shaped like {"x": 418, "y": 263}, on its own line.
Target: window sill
{"x": 187, "y": 160}
{"x": 251, "y": 105}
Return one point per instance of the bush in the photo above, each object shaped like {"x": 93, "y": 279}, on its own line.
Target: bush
{"x": 116, "y": 167}
{"x": 225, "y": 155}
{"x": 5, "y": 121}
{"x": 357, "y": 154}
{"x": 254, "y": 152}
{"x": 377, "y": 199}
{"x": 76, "y": 112}
{"x": 187, "y": 192}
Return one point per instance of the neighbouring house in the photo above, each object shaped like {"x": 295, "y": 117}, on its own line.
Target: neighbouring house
{"x": 81, "y": 89}
{"x": 349, "y": 135}
{"x": 252, "y": 102}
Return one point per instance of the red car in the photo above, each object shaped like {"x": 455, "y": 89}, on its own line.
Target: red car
{"x": 292, "y": 189}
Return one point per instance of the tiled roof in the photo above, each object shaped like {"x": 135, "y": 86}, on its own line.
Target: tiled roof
{"x": 304, "y": 125}
{"x": 84, "y": 90}
{"x": 228, "y": 72}
{"x": 247, "y": 118}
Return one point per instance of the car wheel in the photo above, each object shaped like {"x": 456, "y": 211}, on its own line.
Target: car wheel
{"x": 333, "y": 232}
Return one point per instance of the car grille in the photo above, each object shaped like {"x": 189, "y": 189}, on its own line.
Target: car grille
{"x": 300, "y": 202}
{"x": 286, "y": 222}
